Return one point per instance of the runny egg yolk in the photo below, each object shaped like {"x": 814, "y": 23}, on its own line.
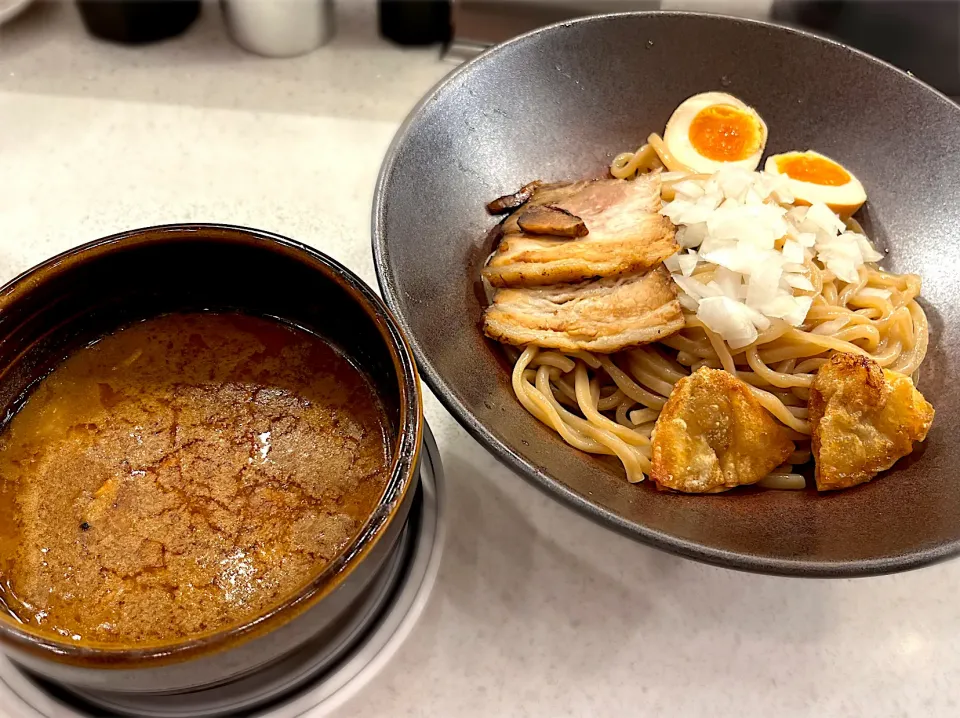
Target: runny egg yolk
{"x": 813, "y": 169}
{"x": 724, "y": 133}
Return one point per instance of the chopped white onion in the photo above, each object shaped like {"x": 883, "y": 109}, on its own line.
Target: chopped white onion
{"x": 672, "y": 263}
{"x": 695, "y": 288}
{"x": 824, "y": 218}
{"x": 728, "y": 281}
{"x": 692, "y": 190}
{"x": 798, "y": 281}
{"x": 867, "y": 250}
{"x": 687, "y": 302}
{"x": 792, "y": 252}
{"x": 726, "y": 317}
{"x": 687, "y": 262}
{"x": 734, "y": 220}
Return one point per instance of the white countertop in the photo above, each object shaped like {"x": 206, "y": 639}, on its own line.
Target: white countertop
{"x": 537, "y": 612}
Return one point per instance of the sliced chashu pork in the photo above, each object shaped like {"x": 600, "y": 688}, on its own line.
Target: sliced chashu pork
{"x": 624, "y": 234}
{"x": 603, "y": 315}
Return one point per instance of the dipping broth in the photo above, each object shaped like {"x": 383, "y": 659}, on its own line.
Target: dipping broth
{"x": 182, "y": 475}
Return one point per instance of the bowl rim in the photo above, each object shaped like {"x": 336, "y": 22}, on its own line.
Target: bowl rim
{"x": 403, "y": 470}
{"x": 391, "y": 293}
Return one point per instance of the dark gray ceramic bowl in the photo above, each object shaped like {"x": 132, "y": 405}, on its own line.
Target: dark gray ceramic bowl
{"x": 559, "y": 103}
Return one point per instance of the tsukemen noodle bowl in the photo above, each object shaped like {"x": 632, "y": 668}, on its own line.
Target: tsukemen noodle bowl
{"x": 687, "y": 276}
{"x": 209, "y": 448}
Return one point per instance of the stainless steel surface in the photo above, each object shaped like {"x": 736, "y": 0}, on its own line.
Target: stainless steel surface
{"x": 279, "y": 28}
{"x": 305, "y": 683}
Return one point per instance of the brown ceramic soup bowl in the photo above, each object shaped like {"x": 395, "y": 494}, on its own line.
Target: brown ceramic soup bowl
{"x": 94, "y": 289}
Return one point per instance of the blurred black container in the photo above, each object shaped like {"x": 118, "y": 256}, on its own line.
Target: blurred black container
{"x": 135, "y": 22}
{"x": 415, "y": 22}
{"x": 922, "y": 36}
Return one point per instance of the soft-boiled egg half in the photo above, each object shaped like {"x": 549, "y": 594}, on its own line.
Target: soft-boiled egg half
{"x": 814, "y": 178}
{"x": 712, "y": 130}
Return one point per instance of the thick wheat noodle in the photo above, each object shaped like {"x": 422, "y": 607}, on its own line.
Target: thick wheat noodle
{"x": 538, "y": 405}
{"x": 782, "y": 413}
{"x": 563, "y": 392}
{"x": 829, "y": 291}
{"x": 776, "y": 378}
{"x": 753, "y": 379}
{"x": 820, "y": 314}
{"x": 816, "y": 275}
{"x": 587, "y": 358}
{"x": 622, "y": 412}
{"x": 657, "y": 364}
{"x": 651, "y": 156}
{"x": 833, "y": 326}
{"x": 649, "y": 378}
{"x": 647, "y": 429}
{"x": 666, "y": 157}
{"x": 628, "y": 164}
{"x": 549, "y": 412}
{"x": 629, "y": 387}
{"x": 787, "y": 396}
{"x": 555, "y": 359}
{"x": 921, "y": 338}
{"x": 793, "y": 351}
{"x": 635, "y": 461}
{"x": 785, "y": 366}
{"x": 868, "y": 333}
{"x": 785, "y": 481}
{"x": 643, "y": 416}
{"x": 590, "y": 412}
{"x": 669, "y": 363}
{"x": 843, "y": 298}
{"x": 720, "y": 347}
{"x": 890, "y": 355}
{"x": 883, "y": 307}
{"x": 584, "y": 429}
{"x": 688, "y": 345}
{"x": 810, "y": 365}
{"x": 711, "y": 363}
{"x": 611, "y": 401}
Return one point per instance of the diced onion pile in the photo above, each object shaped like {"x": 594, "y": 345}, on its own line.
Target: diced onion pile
{"x": 743, "y": 223}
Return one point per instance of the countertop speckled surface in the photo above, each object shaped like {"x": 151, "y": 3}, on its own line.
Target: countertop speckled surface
{"x": 537, "y": 612}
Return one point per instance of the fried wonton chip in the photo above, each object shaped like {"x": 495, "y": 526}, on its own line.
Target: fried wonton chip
{"x": 864, "y": 418}
{"x": 713, "y": 435}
